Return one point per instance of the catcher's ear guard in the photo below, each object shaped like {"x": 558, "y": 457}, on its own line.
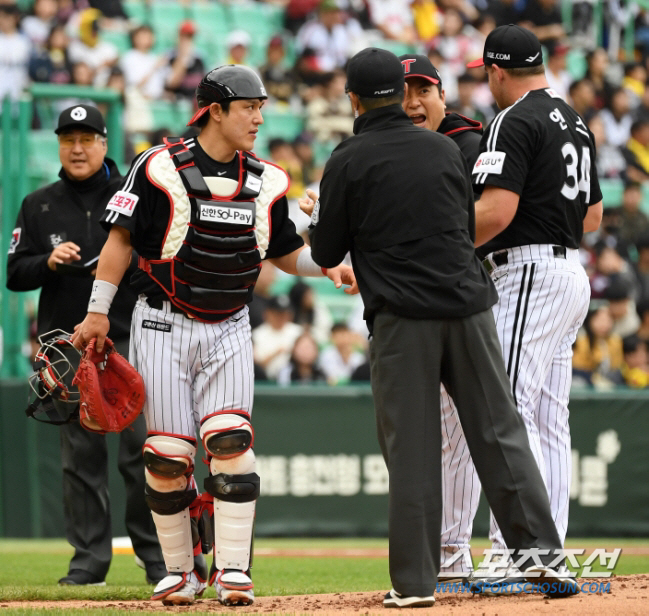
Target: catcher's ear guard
{"x": 56, "y": 400}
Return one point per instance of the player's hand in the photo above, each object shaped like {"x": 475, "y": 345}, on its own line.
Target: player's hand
{"x": 307, "y": 203}
{"x": 65, "y": 252}
{"x": 343, "y": 274}
{"x": 95, "y": 325}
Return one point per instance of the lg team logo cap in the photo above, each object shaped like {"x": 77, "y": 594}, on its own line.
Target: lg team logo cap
{"x": 510, "y": 47}
{"x": 81, "y": 116}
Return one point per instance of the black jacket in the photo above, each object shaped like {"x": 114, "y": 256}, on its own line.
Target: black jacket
{"x": 400, "y": 199}
{"x": 61, "y": 212}
{"x": 465, "y": 132}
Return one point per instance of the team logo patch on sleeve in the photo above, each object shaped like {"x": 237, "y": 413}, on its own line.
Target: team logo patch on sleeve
{"x": 160, "y": 327}
{"x": 15, "y": 240}
{"x": 489, "y": 162}
{"x": 123, "y": 202}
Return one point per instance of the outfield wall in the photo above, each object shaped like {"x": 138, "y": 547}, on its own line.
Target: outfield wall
{"x": 321, "y": 470}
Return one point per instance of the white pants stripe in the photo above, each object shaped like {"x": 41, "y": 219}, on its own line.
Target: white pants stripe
{"x": 543, "y": 301}
{"x": 192, "y": 370}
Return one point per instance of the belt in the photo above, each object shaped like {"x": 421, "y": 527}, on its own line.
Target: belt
{"x": 500, "y": 258}
{"x": 156, "y": 302}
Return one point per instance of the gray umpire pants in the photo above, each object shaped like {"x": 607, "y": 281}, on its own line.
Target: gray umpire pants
{"x": 409, "y": 358}
{"x": 85, "y": 494}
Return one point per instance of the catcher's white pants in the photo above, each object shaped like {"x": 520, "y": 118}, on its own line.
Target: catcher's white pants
{"x": 190, "y": 369}
{"x": 543, "y": 301}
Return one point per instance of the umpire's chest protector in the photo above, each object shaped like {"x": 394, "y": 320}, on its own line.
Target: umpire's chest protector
{"x": 218, "y": 231}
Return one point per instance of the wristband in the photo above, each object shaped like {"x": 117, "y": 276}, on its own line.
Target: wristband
{"x": 324, "y": 270}
{"x": 102, "y": 296}
{"x": 306, "y": 266}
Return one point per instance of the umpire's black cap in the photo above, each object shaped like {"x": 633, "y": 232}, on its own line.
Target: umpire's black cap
{"x": 81, "y": 116}
{"x": 418, "y": 65}
{"x": 510, "y": 47}
{"x": 375, "y": 73}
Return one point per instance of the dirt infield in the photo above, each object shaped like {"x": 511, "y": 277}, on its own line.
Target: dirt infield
{"x": 628, "y": 595}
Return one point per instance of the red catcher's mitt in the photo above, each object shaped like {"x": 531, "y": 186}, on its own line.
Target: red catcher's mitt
{"x": 112, "y": 392}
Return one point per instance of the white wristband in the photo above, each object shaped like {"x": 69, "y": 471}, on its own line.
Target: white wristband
{"x": 101, "y": 297}
{"x": 306, "y": 266}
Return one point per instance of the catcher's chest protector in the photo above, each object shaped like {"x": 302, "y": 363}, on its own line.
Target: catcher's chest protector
{"x": 217, "y": 234}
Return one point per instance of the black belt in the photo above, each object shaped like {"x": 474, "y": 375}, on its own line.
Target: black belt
{"x": 156, "y": 302}
{"x": 500, "y": 258}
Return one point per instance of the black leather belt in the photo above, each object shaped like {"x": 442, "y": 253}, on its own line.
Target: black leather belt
{"x": 500, "y": 258}
{"x": 156, "y": 302}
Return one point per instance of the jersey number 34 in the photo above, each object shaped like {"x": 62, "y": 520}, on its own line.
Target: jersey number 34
{"x": 576, "y": 182}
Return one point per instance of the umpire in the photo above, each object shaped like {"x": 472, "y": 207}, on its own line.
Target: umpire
{"x": 55, "y": 243}
{"x": 427, "y": 303}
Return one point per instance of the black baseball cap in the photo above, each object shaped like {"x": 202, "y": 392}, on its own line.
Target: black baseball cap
{"x": 81, "y": 116}
{"x": 374, "y": 73}
{"x": 418, "y": 65}
{"x": 510, "y": 47}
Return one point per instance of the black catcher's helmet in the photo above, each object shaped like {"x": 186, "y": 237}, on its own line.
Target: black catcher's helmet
{"x": 55, "y": 364}
{"x": 229, "y": 82}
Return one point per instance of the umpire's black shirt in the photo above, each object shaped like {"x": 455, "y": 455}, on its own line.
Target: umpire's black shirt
{"x": 399, "y": 198}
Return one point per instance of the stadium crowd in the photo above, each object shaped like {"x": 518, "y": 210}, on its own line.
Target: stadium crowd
{"x": 297, "y": 338}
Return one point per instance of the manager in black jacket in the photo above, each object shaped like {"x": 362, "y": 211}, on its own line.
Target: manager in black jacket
{"x": 399, "y": 198}
{"x": 54, "y": 247}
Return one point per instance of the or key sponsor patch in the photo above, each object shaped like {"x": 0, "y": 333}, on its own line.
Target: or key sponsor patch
{"x": 225, "y": 215}
{"x": 490, "y": 162}
{"x": 15, "y": 240}
{"x": 123, "y": 202}
{"x": 160, "y": 327}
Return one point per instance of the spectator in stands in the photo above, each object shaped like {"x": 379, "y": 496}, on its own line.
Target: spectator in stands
{"x": 303, "y": 146}
{"x": 238, "y": 43}
{"x": 636, "y": 152}
{"x": 643, "y": 313}
{"x": 610, "y": 160}
{"x": 581, "y": 96}
{"x": 310, "y": 312}
{"x": 598, "y": 65}
{"x": 297, "y": 12}
{"x": 278, "y": 79}
{"x": 634, "y": 223}
{"x": 186, "y": 66}
{"x": 543, "y": 17}
{"x": 641, "y": 270}
{"x": 635, "y": 78}
{"x": 330, "y": 35}
{"x": 555, "y": 67}
{"x": 143, "y": 68}
{"x": 622, "y": 306}
{"x": 15, "y": 50}
{"x": 464, "y": 105}
{"x": 282, "y": 154}
{"x": 341, "y": 358}
{"x": 273, "y": 340}
{"x": 393, "y": 19}
{"x": 38, "y": 24}
{"x": 635, "y": 368}
{"x": 427, "y": 19}
{"x": 112, "y": 9}
{"x": 504, "y": 11}
{"x": 617, "y": 118}
{"x": 597, "y": 356}
{"x": 100, "y": 55}
{"x": 609, "y": 262}
{"x": 302, "y": 368}
{"x": 329, "y": 117}
{"x": 453, "y": 43}
{"x": 52, "y": 63}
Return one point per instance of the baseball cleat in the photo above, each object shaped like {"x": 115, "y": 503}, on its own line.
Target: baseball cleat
{"x": 558, "y": 586}
{"x": 179, "y": 589}
{"x": 79, "y": 577}
{"x": 234, "y": 588}
{"x": 395, "y": 599}
{"x": 154, "y": 571}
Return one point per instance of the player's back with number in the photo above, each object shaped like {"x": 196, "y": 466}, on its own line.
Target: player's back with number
{"x": 541, "y": 149}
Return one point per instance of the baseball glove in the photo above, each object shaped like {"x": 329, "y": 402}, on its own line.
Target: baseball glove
{"x": 112, "y": 392}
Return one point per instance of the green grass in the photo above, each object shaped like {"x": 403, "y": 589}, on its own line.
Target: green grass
{"x": 30, "y": 569}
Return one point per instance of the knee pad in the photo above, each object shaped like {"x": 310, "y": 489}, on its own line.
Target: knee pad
{"x": 226, "y": 435}
{"x": 168, "y": 462}
{"x": 234, "y": 479}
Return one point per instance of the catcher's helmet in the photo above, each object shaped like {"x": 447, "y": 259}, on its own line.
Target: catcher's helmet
{"x": 55, "y": 364}
{"x": 229, "y": 82}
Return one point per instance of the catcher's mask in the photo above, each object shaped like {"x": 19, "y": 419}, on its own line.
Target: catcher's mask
{"x": 57, "y": 360}
{"x": 229, "y": 82}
